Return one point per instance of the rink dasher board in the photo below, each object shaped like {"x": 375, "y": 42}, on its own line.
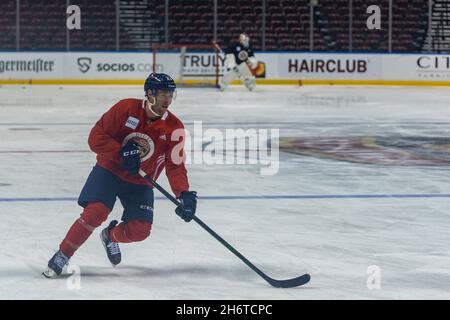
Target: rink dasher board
{"x": 285, "y": 68}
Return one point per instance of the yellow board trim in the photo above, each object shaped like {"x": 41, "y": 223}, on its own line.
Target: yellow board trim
{"x": 199, "y": 82}
{"x": 72, "y": 82}
{"x": 375, "y": 82}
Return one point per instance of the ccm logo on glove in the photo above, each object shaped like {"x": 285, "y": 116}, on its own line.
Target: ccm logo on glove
{"x": 130, "y": 157}
{"x": 130, "y": 153}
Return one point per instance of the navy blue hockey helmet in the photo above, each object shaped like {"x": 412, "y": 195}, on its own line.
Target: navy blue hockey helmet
{"x": 159, "y": 81}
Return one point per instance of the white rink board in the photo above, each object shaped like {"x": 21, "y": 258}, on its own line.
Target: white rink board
{"x": 279, "y": 66}
{"x": 82, "y": 65}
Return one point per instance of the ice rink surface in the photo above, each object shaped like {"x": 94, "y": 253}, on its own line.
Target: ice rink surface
{"x": 363, "y": 231}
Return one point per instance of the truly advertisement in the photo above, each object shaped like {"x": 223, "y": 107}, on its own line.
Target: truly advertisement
{"x": 199, "y": 64}
{"x": 202, "y": 64}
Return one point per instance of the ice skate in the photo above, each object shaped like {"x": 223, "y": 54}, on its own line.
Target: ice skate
{"x": 111, "y": 247}
{"x": 56, "y": 265}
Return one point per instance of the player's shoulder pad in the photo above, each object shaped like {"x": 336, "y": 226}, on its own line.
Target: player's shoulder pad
{"x": 232, "y": 47}
{"x": 130, "y": 103}
{"x": 127, "y": 106}
{"x": 173, "y": 122}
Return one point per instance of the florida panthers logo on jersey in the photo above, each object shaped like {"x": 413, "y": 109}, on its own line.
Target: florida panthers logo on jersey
{"x": 145, "y": 144}
{"x": 243, "y": 55}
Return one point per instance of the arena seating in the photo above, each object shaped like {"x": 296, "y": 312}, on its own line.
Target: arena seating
{"x": 287, "y": 24}
{"x": 8, "y": 25}
{"x": 98, "y": 26}
{"x": 42, "y": 25}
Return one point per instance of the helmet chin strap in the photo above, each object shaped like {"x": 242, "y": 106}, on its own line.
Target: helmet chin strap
{"x": 150, "y": 106}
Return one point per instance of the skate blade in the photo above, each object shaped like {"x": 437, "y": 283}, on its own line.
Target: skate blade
{"x": 49, "y": 273}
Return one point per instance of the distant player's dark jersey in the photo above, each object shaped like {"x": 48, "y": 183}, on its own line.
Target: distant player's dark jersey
{"x": 240, "y": 52}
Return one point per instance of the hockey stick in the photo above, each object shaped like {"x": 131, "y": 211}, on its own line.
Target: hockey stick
{"x": 216, "y": 45}
{"x": 288, "y": 283}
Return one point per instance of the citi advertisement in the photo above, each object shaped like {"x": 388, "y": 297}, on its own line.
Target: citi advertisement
{"x": 416, "y": 67}
{"x": 433, "y": 67}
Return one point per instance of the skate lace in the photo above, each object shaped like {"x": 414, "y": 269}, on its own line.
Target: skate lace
{"x": 113, "y": 248}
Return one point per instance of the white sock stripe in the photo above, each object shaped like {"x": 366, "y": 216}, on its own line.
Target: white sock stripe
{"x": 85, "y": 225}
{"x": 70, "y": 243}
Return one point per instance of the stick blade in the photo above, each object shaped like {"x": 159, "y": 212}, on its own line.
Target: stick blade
{"x": 290, "y": 283}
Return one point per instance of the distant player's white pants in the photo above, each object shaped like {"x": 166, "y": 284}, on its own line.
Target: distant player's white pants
{"x": 243, "y": 73}
{"x": 229, "y": 76}
{"x": 246, "y": 76}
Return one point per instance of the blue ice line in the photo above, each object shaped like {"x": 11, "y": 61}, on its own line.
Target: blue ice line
{"x": 260, "y": 197}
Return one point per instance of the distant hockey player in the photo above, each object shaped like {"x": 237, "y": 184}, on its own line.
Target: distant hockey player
{"x": 134, "y": 134}
{"x": 239, "y": 59}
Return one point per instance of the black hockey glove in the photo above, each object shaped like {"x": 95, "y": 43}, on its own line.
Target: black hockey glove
{"x": 130, "y": 157}
{"x": 189, "y": 201}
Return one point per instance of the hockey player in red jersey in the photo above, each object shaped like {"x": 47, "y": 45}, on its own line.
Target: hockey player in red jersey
{"x": 134, "y": 134}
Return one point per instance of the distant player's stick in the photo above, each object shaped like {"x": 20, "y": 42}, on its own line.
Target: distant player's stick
{"x": 216, "y": 45}
{"x": 289, "y": 283}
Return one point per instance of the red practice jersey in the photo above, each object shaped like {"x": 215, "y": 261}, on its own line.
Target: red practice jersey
{"x": 160, "y": 142}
